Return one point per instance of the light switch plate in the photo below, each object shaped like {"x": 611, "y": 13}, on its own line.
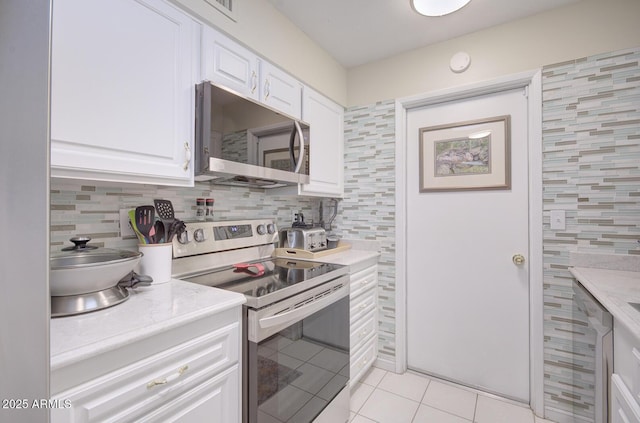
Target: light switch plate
{"x": 126, "y": 230}
{"x": 558, "y": 220}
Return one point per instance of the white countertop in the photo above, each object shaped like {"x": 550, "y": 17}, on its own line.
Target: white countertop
{"x": 359, "y": 252}
{"x": 148, "y": 311}
{"x": 614, "y": 289}
{"x": 350, "y": 257}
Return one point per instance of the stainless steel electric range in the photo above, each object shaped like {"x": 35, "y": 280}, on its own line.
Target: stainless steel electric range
{"x": 295, "y": 321}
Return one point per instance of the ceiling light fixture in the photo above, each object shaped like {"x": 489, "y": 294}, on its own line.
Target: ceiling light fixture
{"x": 437, "y": 7}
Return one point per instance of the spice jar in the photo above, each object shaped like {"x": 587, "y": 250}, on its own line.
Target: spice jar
{"x": 201, "y": 211}
{"x": 209, "y": 209}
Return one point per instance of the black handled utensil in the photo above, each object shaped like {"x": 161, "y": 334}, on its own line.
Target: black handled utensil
{"x": 158, "y": 237}
{"x": 145, "y": 218}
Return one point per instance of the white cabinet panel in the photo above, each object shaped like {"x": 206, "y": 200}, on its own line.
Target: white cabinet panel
{"x": 184, "y": 380}
{"x": 363, "y": 317}
{"x": 362, "y": 360}
{"x": 228, "y": 64}
{"x": 280, "y": 91}
{"x": 326, "y": 150}
{"x": 624, "y": 407}
{"x": 122, "y": 91}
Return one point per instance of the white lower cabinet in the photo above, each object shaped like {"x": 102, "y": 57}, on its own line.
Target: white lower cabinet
{"x": 624, "y": 407}
{"x": 193, "y": 381}
{"x": 625, "y": 382}
{"x": 363, "y": 321}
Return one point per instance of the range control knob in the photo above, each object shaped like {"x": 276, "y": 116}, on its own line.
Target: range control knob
{"x": 271, "y": 228}
{"x": 183, "y": 238}
{"x": 198, "y": 235}
{"x": 261, "y": 229}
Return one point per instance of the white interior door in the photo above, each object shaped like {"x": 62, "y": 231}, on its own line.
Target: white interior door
{"x": 467, "y": 302}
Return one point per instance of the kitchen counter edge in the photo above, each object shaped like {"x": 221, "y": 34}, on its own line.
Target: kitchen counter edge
{"x": 614, "y": 289}
{"x": 148, "y": 311}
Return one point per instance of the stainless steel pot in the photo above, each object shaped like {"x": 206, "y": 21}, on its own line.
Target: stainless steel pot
{"x": 84, "y": 268}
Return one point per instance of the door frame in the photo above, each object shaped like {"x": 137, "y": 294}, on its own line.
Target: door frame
{"x": 532, "y": 82}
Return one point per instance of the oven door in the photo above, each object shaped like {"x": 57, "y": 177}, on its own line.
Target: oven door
{"x": 298, "y": 356}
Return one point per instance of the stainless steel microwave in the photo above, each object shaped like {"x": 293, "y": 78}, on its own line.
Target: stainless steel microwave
{"x": 242, "y": 142}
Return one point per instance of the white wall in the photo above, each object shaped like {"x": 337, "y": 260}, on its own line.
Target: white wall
{"x": 581, "y": 29}
{"x": 263, "y": 29}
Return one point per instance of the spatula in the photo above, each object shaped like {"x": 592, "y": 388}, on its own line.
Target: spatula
{"x": 164, "y": 210}
{"x": 132, "y": 221}
{"x": 145, "y": 218}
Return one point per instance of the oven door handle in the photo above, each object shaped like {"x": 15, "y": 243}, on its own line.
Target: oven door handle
{"x": 303, "y": 311}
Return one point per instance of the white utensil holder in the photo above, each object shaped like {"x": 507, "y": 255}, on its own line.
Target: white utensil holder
{"x": 156, "y": 261}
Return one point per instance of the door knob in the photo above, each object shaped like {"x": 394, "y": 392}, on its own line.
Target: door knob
{"x": 518, "y": 259}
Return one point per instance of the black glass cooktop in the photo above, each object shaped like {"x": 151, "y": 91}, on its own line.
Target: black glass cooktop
{"x": 271, "y": 280}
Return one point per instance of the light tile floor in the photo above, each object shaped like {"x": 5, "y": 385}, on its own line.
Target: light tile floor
{"x": 386, "y": 397}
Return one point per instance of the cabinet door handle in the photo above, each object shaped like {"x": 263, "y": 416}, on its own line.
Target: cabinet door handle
{"x": 254, "y": 81}
{"x": 266, "y": 89}
{"x": 167, "y": 379}
{"x": 187, "y": 156}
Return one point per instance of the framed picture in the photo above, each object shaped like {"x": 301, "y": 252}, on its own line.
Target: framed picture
{"x": 279, "y": 159}
{"x": 473, "y": 155}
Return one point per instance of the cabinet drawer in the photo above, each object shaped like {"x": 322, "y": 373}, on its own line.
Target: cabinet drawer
{"x": 363, "y": 280}
{"x": 215, "y": 400}
{"x": 363, "y": 329}
{"x": 149, "y": 384}
{"x": 362, "y": 305}
{"x": 362, "y": 360}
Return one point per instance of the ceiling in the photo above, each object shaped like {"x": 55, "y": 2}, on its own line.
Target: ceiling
{"x": 356, "y": 32}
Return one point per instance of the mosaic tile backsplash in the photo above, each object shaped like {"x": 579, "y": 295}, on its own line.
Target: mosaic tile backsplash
{"x": 92, "y": 208}
{"x": 591, "y": 169}
{"x": 368, "y": 209}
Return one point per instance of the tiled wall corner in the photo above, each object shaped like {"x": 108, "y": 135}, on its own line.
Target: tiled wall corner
{"x": 591, "y": 169}
{"x": 368, "y": 209}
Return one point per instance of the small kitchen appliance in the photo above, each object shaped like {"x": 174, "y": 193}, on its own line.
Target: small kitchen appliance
{"x": 308, "y": 239}
{"x": 295, "y": 321}
{"x": 258, "y": 150}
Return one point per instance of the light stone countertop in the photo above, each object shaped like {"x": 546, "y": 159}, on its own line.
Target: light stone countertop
{"x": 151, "y": 310}
{"x": 148, "y": 311}
{"x": 360, "y": 253}
{"x": 614, "y": 289}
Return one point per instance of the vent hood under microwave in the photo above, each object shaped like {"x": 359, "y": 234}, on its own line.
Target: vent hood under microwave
{"x": 240, "y": 142}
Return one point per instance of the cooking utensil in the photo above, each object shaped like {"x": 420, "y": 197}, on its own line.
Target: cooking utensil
{"x": 176, "y": 228}
{"x": 253, "y": 269}
{"x": 158, "y": 237}
{"x": 132, "y": 222}
{"x": 132, "y": 280}
{"x": 85, "y": 269}
{"x": 145, "y": 218}
{"x": 164, "y": 210}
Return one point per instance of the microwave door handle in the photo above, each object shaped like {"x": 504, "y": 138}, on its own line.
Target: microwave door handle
{"x": 297, "y": 164}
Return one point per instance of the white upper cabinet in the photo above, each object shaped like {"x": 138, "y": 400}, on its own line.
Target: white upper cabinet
{"x": 228, "y": 64}
{"x": 122, "y": 91}
{"x": 326, "y": 150}
{"x": 280, "y": 90}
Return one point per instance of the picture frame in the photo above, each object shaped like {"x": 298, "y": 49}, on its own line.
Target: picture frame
{"x": 279, "y": 159}
{"x": 466, "y": 156}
